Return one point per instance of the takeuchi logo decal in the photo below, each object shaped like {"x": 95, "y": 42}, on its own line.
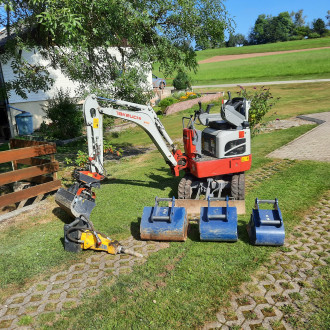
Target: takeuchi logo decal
{"x": 128, "y": 115}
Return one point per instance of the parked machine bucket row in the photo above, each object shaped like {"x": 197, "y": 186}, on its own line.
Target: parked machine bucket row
{"x": 216, "y": 223}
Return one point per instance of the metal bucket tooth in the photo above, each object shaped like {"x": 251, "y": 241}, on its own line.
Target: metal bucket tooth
{"x": 218, "y": 223}
{"x": 266, "y": 226}
{"x": 164, "y": 223}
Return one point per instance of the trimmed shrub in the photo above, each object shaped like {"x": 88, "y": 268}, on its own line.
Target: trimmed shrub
{"x": 182, "y": 80}
{"x": 66, "y": 119}
{"x": 164, "y": 103}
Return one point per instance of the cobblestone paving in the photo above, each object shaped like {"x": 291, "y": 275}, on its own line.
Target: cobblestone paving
{"x": 64, "y": 289}
{"x": 279, "y": 289}
{"x": 314, "y": 145}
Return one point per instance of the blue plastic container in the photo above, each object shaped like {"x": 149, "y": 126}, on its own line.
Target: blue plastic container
{"x": 266, "y": 227}
{"x": 24, "y": 123}
{"x": 218, "y": 223}
{"x": 164, "y": 223}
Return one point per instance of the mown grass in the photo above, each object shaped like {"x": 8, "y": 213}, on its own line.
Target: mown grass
{"x": 275, "y": 47}
{"x": 310, "y": 64}
{"x": 304, "y": 65}
{"x": 184, "y": 285}
{"x": 295, "y": 99}
{"x": 150, "y": 177}
{"x": 32, "y": 246}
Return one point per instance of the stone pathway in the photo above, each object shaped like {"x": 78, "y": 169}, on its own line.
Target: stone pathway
{"x": 63, "y": 290}
{"x": 314, "y": 145}
{"x": 276, "y": 293}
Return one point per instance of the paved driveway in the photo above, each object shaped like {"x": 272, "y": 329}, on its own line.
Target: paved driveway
{"x": 314, "y": 145}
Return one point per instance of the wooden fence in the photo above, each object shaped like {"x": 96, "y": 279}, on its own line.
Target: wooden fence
{"x": 37, "y": 169}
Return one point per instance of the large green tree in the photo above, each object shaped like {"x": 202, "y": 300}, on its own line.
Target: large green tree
{"x": 319, "y": 26}
{"x": 75, "y": 35}
{"x": 269, "y": 29}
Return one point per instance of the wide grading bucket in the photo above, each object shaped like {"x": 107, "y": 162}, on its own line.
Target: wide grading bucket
{"x": 266, "y": 226}
{"x": 218, "y": 223}
{"x": 164, "y": 223}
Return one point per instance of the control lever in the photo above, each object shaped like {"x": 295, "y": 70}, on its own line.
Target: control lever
{"x": 209, "y": 106}
{"x": 200, "y": 107}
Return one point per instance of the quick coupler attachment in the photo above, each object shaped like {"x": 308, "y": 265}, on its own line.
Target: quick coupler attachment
{"x": 266, "y": 226}
{"x": 164, "y": 223}
{"x": 218, "y": 223}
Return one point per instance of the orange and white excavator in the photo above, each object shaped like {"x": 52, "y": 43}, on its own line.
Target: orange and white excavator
{"x": 214, "y": 158}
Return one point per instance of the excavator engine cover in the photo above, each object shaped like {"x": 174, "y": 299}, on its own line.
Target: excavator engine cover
{"x": 164, "y": 223}
{"x": 266, "y": 227}
{"x": 218, "y": 223}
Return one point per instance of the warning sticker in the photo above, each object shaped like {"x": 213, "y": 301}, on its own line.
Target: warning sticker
{"x": 95, "y": 123}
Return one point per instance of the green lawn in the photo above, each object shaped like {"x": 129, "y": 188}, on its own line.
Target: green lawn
{"x": 189, "y": 281}
{"x": 275, "y": 47}
{"x": 184, "y": 285}
{"x": 295, "y": 99}
{"x": 294, "y": 66}
{"x": 312, "y": 64}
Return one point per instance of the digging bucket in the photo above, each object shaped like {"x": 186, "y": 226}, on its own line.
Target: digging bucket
{"x": 218, "y": 223}
{"x": 164, "y": 223}
{"x": 266, "y": 226}
{"x": 76, "y": 206}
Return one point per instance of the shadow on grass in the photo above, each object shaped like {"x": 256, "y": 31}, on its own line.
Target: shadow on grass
{"x": 135, "y": 229}
{"x": 242, "y": 232}
{"x": 62, "y": 215}
{"x": 193, "y": 232}
{"x": 156, "y": 182}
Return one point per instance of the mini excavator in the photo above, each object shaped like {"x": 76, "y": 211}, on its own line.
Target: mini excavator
{"x": 214, "y": 159}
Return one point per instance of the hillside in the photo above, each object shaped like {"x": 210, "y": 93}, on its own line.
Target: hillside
{"x": 311, "y": 62}
{"x": 279, "y": 46}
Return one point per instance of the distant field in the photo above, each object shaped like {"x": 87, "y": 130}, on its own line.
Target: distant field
{"x": 311, "y": 64}
{"x": 279, "y": 46}
{"x": 303, "y": 65}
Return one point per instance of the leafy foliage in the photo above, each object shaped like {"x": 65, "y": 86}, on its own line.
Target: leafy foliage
{"x": 285, "y": 26}
{"x": 182, "y": 80}
{"x": 236, "y": 40}
{"x": 76, "y": 35}
{"x": 319, "y": 26}
{"x": 66, "y": 119}
{"x": 167, "y": 101}
{"x": 261, "y": 102}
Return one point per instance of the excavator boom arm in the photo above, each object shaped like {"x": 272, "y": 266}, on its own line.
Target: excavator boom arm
{"x": 142, "y": 115}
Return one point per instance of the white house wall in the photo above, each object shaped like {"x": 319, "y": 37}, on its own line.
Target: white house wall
{"x": 35, "y": 101}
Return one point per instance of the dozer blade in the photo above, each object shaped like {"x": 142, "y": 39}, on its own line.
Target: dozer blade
{"x": 193, "y": 206}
